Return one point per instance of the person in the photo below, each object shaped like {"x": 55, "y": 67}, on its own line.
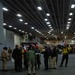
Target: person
{"x": 4, "y": 56}
{"x": 53, "y": 57}
{"x": 17, "y": 56}
{"x": 31, "y": 60}
{"x": 49, "y": 48}
{"x": 38, "y": 62}
{"x": 46, "y": 56}
{"x": 10, "y": 53}
{"x": 21, "y": 48}
{"x": 25, "y": 59}
{"x": 65, "y": 56}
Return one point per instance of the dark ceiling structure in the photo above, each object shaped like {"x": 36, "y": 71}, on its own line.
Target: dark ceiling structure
{"x": 43, "y": 18}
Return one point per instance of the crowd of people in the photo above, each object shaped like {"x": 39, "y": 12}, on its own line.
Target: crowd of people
{"x": 31, "y": 57}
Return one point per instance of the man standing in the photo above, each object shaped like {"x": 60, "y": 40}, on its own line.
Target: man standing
{"x": 4, "y": 56}
{"x": 65, "y": 53}
{"x": 17, "y": 56}
{"x": 46, "y": 56}
{"x": 31, "y": 60}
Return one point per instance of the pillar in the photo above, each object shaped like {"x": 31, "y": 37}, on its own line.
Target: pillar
{"x": 1, "y": 27}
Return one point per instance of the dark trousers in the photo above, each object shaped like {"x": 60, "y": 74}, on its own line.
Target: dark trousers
{"x": 46, "y": 63}
{"x": 65, "y": 57}
{"x": 26, "y": 64}
{"x": 18, "y": 65}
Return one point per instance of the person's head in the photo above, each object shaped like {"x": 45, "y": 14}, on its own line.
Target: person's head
{"x": 5, "y": 48}
{"x": 30, "y": 47}
{"x": 16, "y": 46}
{"x": 45, "y": 47}
{"x": 20, "y": 46}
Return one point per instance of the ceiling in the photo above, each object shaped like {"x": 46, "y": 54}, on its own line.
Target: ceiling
{"x": 59, "y": 17}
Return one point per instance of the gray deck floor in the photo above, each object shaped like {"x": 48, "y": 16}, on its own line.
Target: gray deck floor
{"x": 70, "y": 70}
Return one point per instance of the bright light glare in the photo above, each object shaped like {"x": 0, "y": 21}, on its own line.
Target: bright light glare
{"x": 39, "y": 8}
{"x": 5, "y": 9}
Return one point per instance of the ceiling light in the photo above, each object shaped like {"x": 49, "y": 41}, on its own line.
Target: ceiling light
{"x": 68, "y": 22}
{"x": 30, "y": 33}
{"x": 42, "y": 34}
{"x": 51, "y": 29}
{"x": 10, "y": 26}
{"x": 49, "y": 25}
{"x": 35, "y": 29}
{"x": 15, "y": 28}
{"x": 39, "y": 8}
{"x": 32, "y": 28}
{"x": 67, "y": 27}
{"x": 48, "y": 22}
{"x": 19, "y": 15}
{"x": 69, "y": 19}
{"x": 26, "y": 23}
{"x": 48, "y": 14}
{"x": 73, "y": 5}
{"x": 4, "y": 24}
{"x": 61, "y": 32}
{"x": 22, "y": 31}
{"x": 65, "y": 37}
{"x": 46, "y": 19}
{"x": 5, "y": 9}
{"x": 26, "y": 32}
{"x": 71, "y": 14}
{"x": 21, "y": 20}
{"x": 19, "y": 30}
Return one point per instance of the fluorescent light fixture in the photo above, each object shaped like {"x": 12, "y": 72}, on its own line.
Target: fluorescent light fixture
{"x": 42, "y": 34}
{"x": 65, "y": 37}
{"x": 67, "y": 27}
{"x": 26, "y": 23}
{"x": 68, "y": 22}
{"x": 49, "y": 33}
{"x": 61, "y": 32}
{"x": 21, "y": 20}
{"x": 51, "y": 29}
{"x": 10, "y": 26}
{"x": 32, "y": 28}
{"x": 48, "y": 14}
{"x": 48, "y": 22}
{"x": 5, "y": 9}
{"x": 73, "y": 6}
{"x": 26, "y": 32}
{"x": 49, "y": 25}
{"x": 71, "y": 14}
{"x": 30, "y": 33}
{"x": 19, "y": 15}
{"x": 39, "y": 8}
{"x": 4, "y": 24}
{"x": 46, "y": 19}
{"x": 15, "y": 28}
{"x": 20, "y": 30}
{"x": 69, "y": 19}
{"x": 35, "y": 29}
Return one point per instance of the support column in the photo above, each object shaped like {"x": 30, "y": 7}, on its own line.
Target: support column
{"x": 1, "y": 27}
